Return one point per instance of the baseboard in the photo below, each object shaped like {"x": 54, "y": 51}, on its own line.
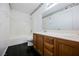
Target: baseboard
{"x": 4, "y": 51}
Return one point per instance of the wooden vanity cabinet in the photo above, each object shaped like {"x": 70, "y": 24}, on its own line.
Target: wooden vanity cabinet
{"x": 43, "y": 44}
{"x": 65, "y": 47}
{"x": 38, "y": 43}
{"x": 48, "y": 46}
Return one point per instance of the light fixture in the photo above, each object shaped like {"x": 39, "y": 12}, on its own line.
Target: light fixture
{"x": 50, "y": 5}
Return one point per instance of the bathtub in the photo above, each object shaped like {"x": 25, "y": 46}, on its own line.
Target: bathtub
{"x": 20, "y": 39}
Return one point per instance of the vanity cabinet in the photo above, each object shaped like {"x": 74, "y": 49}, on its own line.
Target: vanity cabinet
{"x": 54, "y": 46}
{"x": 48, "y": 46}
{"x": 38, "y": 43}
{"x": 65, "y": 47}
{"x": 43, "y": 44}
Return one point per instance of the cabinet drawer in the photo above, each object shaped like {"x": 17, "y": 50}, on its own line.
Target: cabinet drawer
{"x": 39, "y": 46}
{"x": 48, "y": 46}
{"x": 47, "y": 52}
{"x": 48, "y": 39}
{"x": 39, "y": 39}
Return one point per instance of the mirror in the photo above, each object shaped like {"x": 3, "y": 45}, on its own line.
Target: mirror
{"x": 61, "y": 16}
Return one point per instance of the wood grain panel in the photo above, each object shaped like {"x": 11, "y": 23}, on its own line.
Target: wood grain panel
{"x": 47, "y": 52}
{"x": 66, "y": 48}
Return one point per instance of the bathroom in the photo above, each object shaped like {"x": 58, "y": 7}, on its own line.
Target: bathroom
{"x": 19, "y": 22}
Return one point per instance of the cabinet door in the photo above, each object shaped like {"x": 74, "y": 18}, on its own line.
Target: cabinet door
{"x": 66, "y": 48}
{"x": 40, "y": 43}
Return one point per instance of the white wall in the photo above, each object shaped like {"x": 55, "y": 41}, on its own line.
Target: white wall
{"x": 20, "y": 23}
{"x": 20, "y": 27}
{"x": 37, "y": 20}
{"x": 4, "y": 26}
{"x": 63, "y": 20}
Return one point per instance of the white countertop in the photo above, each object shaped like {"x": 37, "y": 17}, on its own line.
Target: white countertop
{"x": 67, "y": 36}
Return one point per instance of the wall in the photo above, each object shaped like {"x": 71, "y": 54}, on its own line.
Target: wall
{"x": 37, "y": 19}
{"x": 4, "y": 26}
{"x": 20, "y": 27}
{"x": 20, "y": 23}
{"x": 63, "y": 20}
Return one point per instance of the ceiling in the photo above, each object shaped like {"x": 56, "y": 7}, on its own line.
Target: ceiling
{"x": 24, "y": 7}
{"x": 30, "y": 7}
{"x": 55, "y": 8}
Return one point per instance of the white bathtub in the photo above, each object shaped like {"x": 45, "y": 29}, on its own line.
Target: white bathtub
{"x": 20, "y": 39}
